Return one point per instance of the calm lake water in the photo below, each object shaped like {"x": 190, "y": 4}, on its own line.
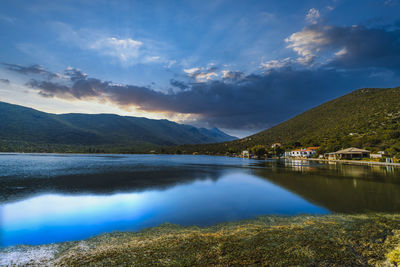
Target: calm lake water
{"x": 46, "y": 198}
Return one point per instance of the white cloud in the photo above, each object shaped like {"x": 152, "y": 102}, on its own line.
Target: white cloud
{"x": 341, "y": 52}
{"x": 206, "y": 76}
{"x": 151, "y": 59}
{"x": 201, "y": 74}
{"x": 124, "y": 43}
{"x": 170, "y": 63}
{"x": 192, "y": 70}
{"x": 123, "y": 49}
{"x": 233, "y": 75}
{"x": 313, "y": 15}
{"x": 306, "y": 44}
{"x": 330, "y": 8}
{"x": 276, "y": 64}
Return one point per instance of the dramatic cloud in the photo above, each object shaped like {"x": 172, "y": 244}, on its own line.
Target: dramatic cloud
{"x": 178, "y": 84}
{"x": 6, "y": 81}
{"x": 342, "y": 59}
{"x": 251, "y": 102}
{"x": 352, "y": 46}
{"x": 307, "y": 43}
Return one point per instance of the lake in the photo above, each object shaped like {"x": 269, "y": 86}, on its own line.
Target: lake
{"x": 46, "y": 198}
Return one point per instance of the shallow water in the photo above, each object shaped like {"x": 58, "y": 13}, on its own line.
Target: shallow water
{"x": 47, "y": 198}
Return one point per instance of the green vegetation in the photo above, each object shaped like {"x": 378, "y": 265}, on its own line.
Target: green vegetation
{"x": 366, "y": 118}
{"x": 332, "y": 240}
{"x": 27, "y": 130}
{"x": 394, "y": 256}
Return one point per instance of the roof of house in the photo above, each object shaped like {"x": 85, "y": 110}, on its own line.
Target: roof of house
{"x": 352, "y": 150}
{"x": 313, "y": 148}
{"x": 302, "y": 149}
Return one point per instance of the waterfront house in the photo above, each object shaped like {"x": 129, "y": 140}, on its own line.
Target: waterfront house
{"x": 302, "y": 153}
{"x": 245, "y": 154}
{"x": 350, "y": 153}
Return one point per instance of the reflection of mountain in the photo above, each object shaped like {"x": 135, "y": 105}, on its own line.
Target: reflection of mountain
{"x": 143, "y": 178}
{"x": 356, "y": 189}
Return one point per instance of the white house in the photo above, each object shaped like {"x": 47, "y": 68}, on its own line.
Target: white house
{"x": 378, "y": 155}
{"x": 303, "y": 152}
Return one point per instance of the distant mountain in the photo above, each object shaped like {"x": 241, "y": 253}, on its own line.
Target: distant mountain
{"x": 36, "y": 130}
{"x": 217, "y": 134}
{"x": 366, "y": 118}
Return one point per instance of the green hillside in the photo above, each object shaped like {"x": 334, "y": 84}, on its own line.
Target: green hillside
{"x": 366, "y": 118}
{"x": 26, "y": 129}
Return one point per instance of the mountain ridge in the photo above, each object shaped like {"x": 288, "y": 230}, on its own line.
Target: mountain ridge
{"x": 366, "y": 118}
{"x": 19, "y": 124}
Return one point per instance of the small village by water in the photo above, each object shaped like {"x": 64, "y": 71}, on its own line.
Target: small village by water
{"x": 347, "y": 155}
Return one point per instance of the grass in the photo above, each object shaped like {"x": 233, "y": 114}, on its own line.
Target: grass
{"x": 331, "y": 240}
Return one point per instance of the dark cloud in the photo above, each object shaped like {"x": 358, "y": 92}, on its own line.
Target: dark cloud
{"x": 75, "y": 74}
{"x": 359, "y": 57}
{"x": 33, "y": 69}
{"x": 365, "y": 48}
{"x": 353, "y": 46}
{"x": 80, "y": 89}
{"x": 233, "y": 75}
{"x": 6, "y": 81}
{"x": 254, "y": 102}
{"x": 178, "y": 84}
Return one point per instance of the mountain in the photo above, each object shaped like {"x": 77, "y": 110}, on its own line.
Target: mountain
{"x": 217, "y": 134}
{"x": 25, "y": 127}
{"x": 366, "y": 118}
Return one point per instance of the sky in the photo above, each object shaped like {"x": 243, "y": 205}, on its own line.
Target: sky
{"x": 241, "y": 66}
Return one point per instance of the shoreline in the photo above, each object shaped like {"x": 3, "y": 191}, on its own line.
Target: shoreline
{"x": 355, "y": 162}
{"x": 348, "y": 162}
{"x": 335, "y": 239}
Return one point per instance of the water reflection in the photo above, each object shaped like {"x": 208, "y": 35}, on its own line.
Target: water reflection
{"x": 340, "y": 188}
{"x": 24, "y": 175}
{"x": 54, "y": 218}
{"x": 52, "y": 198}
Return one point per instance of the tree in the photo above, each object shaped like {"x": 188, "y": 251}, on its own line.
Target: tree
{"x": 258, "y": 150}
{"x": 278, "y": 151}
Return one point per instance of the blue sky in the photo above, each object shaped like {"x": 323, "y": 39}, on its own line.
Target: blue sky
{"x": 241, "y": 66}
